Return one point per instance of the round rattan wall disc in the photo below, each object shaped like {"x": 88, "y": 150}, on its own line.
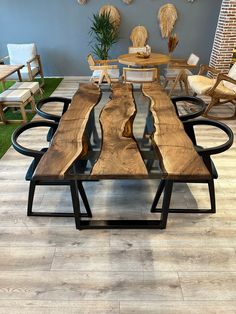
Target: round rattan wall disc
{"x": 139, "y": 36}
{"x": 114, "y": 14}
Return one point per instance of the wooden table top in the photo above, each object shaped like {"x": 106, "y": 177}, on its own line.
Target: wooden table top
{"x": 121, "y": 153}
{"x": 7, "y": 69}
{"x": 131, "y": 59}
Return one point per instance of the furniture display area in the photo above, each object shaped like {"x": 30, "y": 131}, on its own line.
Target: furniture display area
{"x": 18, "y": 95}
{"x": 222, "y": 89}
{"x": 121, "y": 155}
{"x": 25, "y": 54}
{"x": 178, "y": 70}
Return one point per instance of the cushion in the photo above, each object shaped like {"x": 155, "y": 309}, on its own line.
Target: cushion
{"x": 201, "y": 85}
{"x": 113, "y": 73}
{"x": 21, "y": 53}
{"x": 24, "y": 74}
{"x": 232, "y": 74}
{"x": 32, "y": 86}
{"x": 18, "y": 95}
{"x": 193, "y": 59}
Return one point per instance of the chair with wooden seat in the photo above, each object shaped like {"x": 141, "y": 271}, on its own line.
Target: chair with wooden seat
{"x": 178, "y": 70}
{"x": 75, "y": 185}
{"x": 103, "y": 70}
{"x": 16, "y": 98}
{"x": 142, "y": 75}
{"x": 205, "y": 154}
{"x": 25, "y": 54}
{"x": 221, "y": 89}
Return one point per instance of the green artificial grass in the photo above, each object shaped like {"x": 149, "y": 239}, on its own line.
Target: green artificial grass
{"x": 7, "y": 129}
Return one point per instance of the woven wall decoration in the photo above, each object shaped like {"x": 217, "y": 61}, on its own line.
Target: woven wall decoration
{"x": 167, "y": 17}
{"x": 139, "y": 36}
{"x": 85, "y": 1}
{"x": 114, "y": 14}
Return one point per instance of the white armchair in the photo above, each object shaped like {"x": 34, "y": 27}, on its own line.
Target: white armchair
{"x": 25, "y": 54}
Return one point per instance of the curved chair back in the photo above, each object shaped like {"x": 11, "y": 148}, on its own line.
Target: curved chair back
{"x": 36, "y": 154}
{"x": 50, "y": 116}
{"x": 198, "y": 102}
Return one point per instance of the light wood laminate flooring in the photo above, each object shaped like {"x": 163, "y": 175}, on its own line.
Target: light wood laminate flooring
{"x": 47, "y": 266}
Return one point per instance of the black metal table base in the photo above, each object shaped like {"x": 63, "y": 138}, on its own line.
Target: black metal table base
{"x": 185, "y": 211}
{"x": 121, "y": 224}
{"x": 129, "y": 224}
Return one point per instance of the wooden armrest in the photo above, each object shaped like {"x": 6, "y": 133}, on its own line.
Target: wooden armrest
{"x": 221, "y": 77}
{"x": 105, "y": 61}
{"x": 178, "y": 60}
{"x": 35, "y": 58}
{"x": 205, "y": 68}
{"x": 103, "y": 67}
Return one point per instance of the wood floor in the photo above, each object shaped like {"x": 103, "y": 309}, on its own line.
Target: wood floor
{"x": 47, "y": 266}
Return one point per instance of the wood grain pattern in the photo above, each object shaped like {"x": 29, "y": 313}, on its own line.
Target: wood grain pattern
{"x": 6, "y": 70}
{"x": 120, "y": 155}
{"x": 131, "y": 59}
{"x": 68, "y": 143}
{"x": 179, "y": 159}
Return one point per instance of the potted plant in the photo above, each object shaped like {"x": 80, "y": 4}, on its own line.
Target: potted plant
{"x": 104, "y": 34}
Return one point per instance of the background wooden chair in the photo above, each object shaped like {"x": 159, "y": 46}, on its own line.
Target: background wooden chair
{"x": 221, "y": 90}
{"x": 25, "y": 54}
{"x": 142, "y": 75}
{"x": 178, "y": 70}
{"x": 103, "y": 70}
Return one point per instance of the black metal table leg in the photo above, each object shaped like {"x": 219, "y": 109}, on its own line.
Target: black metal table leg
{"x": 166, "y": 203}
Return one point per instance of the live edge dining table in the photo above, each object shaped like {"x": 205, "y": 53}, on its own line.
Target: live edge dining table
{"x": 122, "y": 153}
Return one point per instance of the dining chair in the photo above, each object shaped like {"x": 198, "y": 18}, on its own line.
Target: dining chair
{"x": 103, "y": 71}
{"x": 25, "y": 54}
{"x": 75, "y": 185}
{"x": 221, "y": 90}
{"x": 205, "y": 154}
{"x": 178, "y": 70}
{"x": 140, "y": 75}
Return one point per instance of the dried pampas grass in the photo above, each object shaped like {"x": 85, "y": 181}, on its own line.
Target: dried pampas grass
{"x": 167, "y": 17}
{"x": 139, "y": 36}
{"x": 82, "y": 1}
{"x": 114, "y": 14}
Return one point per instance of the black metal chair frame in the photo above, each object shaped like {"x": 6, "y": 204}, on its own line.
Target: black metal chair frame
{"x": 75, "y": 185}
{"x": 205, "y": 153}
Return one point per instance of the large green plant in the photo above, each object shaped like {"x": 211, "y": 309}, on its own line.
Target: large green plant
{"x": 103, "y": 34}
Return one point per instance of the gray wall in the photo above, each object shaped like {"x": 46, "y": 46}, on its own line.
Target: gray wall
{"x": 60, "y": 29}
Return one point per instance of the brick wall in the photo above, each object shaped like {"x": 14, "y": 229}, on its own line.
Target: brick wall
{"x": 225, "y": 37}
